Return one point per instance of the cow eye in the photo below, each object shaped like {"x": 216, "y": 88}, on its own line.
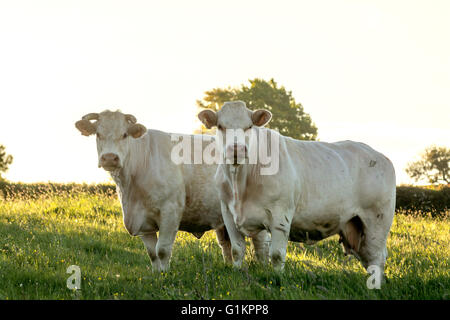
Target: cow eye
{"x": 98, "y": 135}
{"x": 249, "y": 128}
{"x": 220, "y": 127}
{"x": 125, "y": 135}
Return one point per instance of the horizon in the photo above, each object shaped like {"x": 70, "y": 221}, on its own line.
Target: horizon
{"x": 377, "y": 72}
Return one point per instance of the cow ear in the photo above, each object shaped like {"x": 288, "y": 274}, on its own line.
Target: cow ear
{"x": 86, "y": 127}
{"x": 261, "y": 117}
{"x": 137, "y": 130}
{"x": 208, "y": 118}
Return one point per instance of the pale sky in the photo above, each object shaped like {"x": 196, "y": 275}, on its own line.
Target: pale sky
{"x": 371, "y": 71}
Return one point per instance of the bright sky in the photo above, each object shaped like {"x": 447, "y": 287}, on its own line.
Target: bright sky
{"x": 371, "y": 71}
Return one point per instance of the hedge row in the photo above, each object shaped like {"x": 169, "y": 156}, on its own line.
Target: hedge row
{"x": 38, "y": 190}
{"x": 426, "y": 200}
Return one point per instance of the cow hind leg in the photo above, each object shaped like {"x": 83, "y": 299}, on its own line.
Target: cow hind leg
{"x": 367, "y": 241}
{"x": 279, "y": 230}
{"x": 373, "y": 254}
{"x": 224, "y": 242}
{"x": 373, "y": 251}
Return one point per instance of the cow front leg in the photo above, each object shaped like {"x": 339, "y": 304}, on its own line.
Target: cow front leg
{"x": 224, "y": 241}
{"x": 261, "y": 242}
{"x": 237, "y": 239}
{"x": 280, "y": 236}
{"x": 150, "y": 241}
{"x": 168, "y": 228}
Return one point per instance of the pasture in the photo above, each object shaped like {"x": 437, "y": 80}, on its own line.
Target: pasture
{"x": 40, "y": 238}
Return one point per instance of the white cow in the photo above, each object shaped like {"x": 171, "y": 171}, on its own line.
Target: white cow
{"x": 319, "y": 190}
{"x": 154, "y": 192}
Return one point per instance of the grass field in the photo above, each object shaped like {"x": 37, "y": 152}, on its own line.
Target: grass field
{"x": 41, "y": 238}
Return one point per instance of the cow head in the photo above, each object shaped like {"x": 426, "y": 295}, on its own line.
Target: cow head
{"x": 114, "y": 131}
{"x": 235, "y": 124}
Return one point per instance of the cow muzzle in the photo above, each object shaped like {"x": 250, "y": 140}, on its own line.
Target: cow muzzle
{"x": 110, "y": 161}
{"x": 236, "y": 153}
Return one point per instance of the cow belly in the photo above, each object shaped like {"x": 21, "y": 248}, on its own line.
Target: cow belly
{"x": 198, "y": 217}
{"x": 194, "y": 221}
{"x": 307, "y": 236}
{"x": 314, "y": 228}
{"x": 194, "y": 227}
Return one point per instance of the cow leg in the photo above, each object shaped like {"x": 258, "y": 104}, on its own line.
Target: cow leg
{"x": 224, "y": 242}
{"x": 150, "y": 240}
{"x": 373, "y": 251}
{"x": 261, "y": 243}
{"x": 237, "y": 239}
{"x": 280, "y": 236}
{"x": 373, "y": 254}
{"x": 168, "y": 228}
{"x": 377, "y": 223}
{"x": 167, "y": 235}
{"x": 366, "y": 238}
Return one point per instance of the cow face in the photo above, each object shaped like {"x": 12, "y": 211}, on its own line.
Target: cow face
{"x": 235, "y": 124}
{"x": 114, "y": 131}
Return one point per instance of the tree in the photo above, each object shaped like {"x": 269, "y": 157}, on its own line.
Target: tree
{"x": 5, "y": 160}
{"x": 288, "y": 118}
{"x": 432, "y": 166}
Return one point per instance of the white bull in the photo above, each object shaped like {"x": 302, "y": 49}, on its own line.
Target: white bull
{"x": 155, "y": 193}
{"x": 320, "y": 189}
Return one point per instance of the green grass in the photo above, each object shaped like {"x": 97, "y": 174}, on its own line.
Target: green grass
{"x": 40, "y": 238}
